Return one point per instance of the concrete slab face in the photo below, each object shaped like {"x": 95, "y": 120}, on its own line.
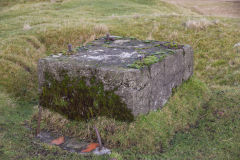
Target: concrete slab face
{"x": 141, "y": 73}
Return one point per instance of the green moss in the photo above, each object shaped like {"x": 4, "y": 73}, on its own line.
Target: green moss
{"x": 169, "y": 51}
{"x": 147, "y": 61}
{"x": 172, "y": 45}
{"x": 63, "y": 52}
{"x": 76, "y": 100}
{"x": 159, "y": 53}
{"x": 147, "y": 41}
{"x": 162, "y": 58}
{"x": 107, "y": 45}
{"x": 142, "y": 48}
{"x": 90, "y": 44}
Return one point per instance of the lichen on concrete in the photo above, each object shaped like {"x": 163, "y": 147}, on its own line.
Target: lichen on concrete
{"x": 130, "y": 75}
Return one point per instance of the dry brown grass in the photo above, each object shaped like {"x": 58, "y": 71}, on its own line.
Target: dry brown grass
{"x": 19, "y": 55}
{"x": 154, "y": 29}
{"x": 199, "y": 24}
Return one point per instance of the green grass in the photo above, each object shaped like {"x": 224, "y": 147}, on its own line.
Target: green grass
{"x": 208, "y": 132}
{"x": 54, "y": 25}
{"x": 215, "y": 135}
{"x": 189, "y": 127}
{"x": 17, "y": 141}
{"x": 147, "y": 134}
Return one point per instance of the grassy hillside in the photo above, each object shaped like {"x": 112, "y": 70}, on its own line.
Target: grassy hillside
{"x": 200, "y": 121}
{"x": 29, "y": 31}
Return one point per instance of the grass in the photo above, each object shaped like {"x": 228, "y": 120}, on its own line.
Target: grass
{"x": 54, "y": 25}
{"x": 178, "y": 131}
{"x": 148, "y": 134}
{"x": 17, "y": 141}
{"x": 215, "y": 134}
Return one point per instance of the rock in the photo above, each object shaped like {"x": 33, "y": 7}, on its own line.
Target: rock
{"x": 27, "y": 27}
{"x": 45, "y": 137}
{"x": 121, "y": 41}
{"x": 103, "y": 151}
{"x": 237, "y": 47}
{"x": 109, "y": 79}
{"x": 75, "y": 144}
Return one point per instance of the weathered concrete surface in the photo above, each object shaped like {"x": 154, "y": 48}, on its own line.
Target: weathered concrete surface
{"x": 143, "y": 89}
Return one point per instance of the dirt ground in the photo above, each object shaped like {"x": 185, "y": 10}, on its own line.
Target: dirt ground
{"x": 224, "y": 8}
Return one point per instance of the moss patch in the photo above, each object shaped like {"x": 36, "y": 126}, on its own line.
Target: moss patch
{"x": 76, "y": 100}
{"x": 147, "y": 61}
{"x": 172, "y": 45}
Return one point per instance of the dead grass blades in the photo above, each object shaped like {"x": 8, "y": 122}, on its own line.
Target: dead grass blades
{"x": 200, "y": 24}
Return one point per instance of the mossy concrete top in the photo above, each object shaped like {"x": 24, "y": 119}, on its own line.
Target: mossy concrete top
{"x": 120, "y": 52}
{"x": 141, "y": 73}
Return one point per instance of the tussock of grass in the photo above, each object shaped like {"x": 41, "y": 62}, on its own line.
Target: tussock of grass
{"x": 149, "y": 133}
{"x": 57, "y": 40}
{"x": 199, "y": 24}
{"x": 19, "y": 55}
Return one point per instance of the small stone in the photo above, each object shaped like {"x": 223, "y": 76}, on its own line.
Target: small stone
{"x": 237, "y": 45}
{"x": 103, "y": 151}
{"x": 121, "y": 41}
{"x": 75, "y": 144}
{"x": 45, "y": 137}
{"x": 56, "y": 56}
{"x": 27, "y": 27}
